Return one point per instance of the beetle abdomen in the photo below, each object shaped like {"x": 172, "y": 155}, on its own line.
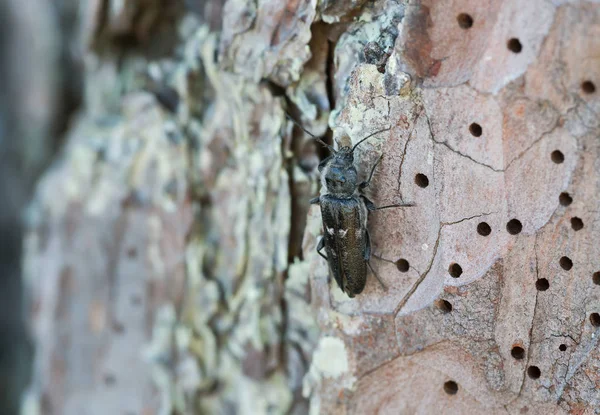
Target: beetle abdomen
{"x": 344, "y": 231}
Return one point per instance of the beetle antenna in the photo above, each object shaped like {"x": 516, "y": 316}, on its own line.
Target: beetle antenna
{"x": 317, "y": 139}
{"x": 369, "y": 136}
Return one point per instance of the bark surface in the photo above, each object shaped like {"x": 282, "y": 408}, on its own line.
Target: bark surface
{"x": 172, "y": 258}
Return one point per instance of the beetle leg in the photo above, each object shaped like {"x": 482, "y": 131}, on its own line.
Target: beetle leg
{"x": 368, "y": 256}
{"x": 377, "y": 276}
{"x": 371, "y": 206}
{"x": 320, "y": 246}
{"x": 314, "y": 201}
{"x": 392, "y": 206}
{"x": 368, "y": 181}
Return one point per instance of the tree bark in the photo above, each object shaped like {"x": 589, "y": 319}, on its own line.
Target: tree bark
{"x": 173, "y": 265}
{"x": 35, "y": 62}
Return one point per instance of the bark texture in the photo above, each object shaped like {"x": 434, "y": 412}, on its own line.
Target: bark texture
{"x": 173, "y": 262}
{"x": 35, "y": 62}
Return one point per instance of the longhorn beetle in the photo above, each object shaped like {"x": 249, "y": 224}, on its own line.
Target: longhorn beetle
{"x": 344, "y": 211}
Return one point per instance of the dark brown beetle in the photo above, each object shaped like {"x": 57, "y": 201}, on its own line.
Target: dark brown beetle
{"x": 344, "y": 211}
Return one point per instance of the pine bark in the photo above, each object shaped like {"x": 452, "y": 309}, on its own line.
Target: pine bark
{"x": 171, "y": 254}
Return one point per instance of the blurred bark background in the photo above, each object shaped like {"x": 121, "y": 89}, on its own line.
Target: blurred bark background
{"x": 169, "y": 249}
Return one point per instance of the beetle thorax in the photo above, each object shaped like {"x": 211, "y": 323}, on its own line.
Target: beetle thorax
{"x": 339, "y": 177}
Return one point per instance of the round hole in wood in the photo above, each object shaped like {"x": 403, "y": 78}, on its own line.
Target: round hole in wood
{"x": 118, "y": 327}
{"x": 421, "y": 180}
{"x": 517, "y": 352}
{"x": 484, "y": 229}
{"x": 596, "y": 278}
{"x": 514, "y": 226}
{"x": 465, "y": 21}
{"x": 451, "y": 387}
{"x": 542, "y": 284}
{"x": 565, "y": 263}
{"x": 557, "y": 156}
{"x": 455, "y": 270}
{"x": 534, "y": 372}
{"x": 514, "y": 45}
{"x": 402, "y": 265}
{"x": 136, "y": 300}
{"x": 565, "y": 199}
{"x": 109, "y": 379}
{"x": 576, "y": 223}
{"x": 475, "y": 129}
{"x": 595, "y": 319}
{"x": 444, "y": 305}
{"x": 562, "y": 347}
{"x": 588, "y": 87}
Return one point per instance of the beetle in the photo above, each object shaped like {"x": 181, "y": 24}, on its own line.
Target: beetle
{"x": 344, "y": 212}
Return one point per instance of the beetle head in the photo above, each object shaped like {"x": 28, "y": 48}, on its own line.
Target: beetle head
{"x": 340, "y": 176}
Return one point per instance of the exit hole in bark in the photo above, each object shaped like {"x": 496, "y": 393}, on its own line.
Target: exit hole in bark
{"x": 595, "y": 319}
{"x": 402, "y": 265}
{"x": 562, "y": 347}
{"x": 445, "y": 306}
{"x": 557, "y": 156}
{"x": 542, "y": 284}
{"x": 109, "y": 379}
{"x": 588, "y": 87}
{"x": 565, "y": 199}
{"x": 576, "y": 224}
{"x": 118, "y": 327}
{"x": 534, "y": 372}
{"x": 455, "y": 270}
{"x": 451, "y": 387}
{"x": 465, "y": 21}
{"x": 484, "y": 229}
{"x": 421, "y": 180}
{"x": 514, "y": 226}
{"x": 514, "y": 45}
{"x": 517, "y": 352}
{"x": 566, "y": 263}
{"x": 596, "y": 278}
{"x": 476, "y": 129}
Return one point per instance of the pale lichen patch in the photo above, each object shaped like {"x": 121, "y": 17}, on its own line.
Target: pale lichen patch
{"x": 330, "y": 358}
{"x": 330, "y": 361}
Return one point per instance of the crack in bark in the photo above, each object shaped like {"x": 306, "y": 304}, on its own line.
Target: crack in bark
{"x": 404, "y": 300}
{"x": 445, "y": 144}
{"x": 564, "y": 335}
{"x": 469, "y": 218}
{"x": 410, "y": 354}
{"x": 393, "y": 262}
{"x": 571, "y": 370}
{"x": 398, "y": 189}
{"x": 536, "y": 141}
{"x": 535, "y": 307}
{"x": 422, "y": 276}
{"x": 376, "y": 368}
{"x": 581, "y": 102}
